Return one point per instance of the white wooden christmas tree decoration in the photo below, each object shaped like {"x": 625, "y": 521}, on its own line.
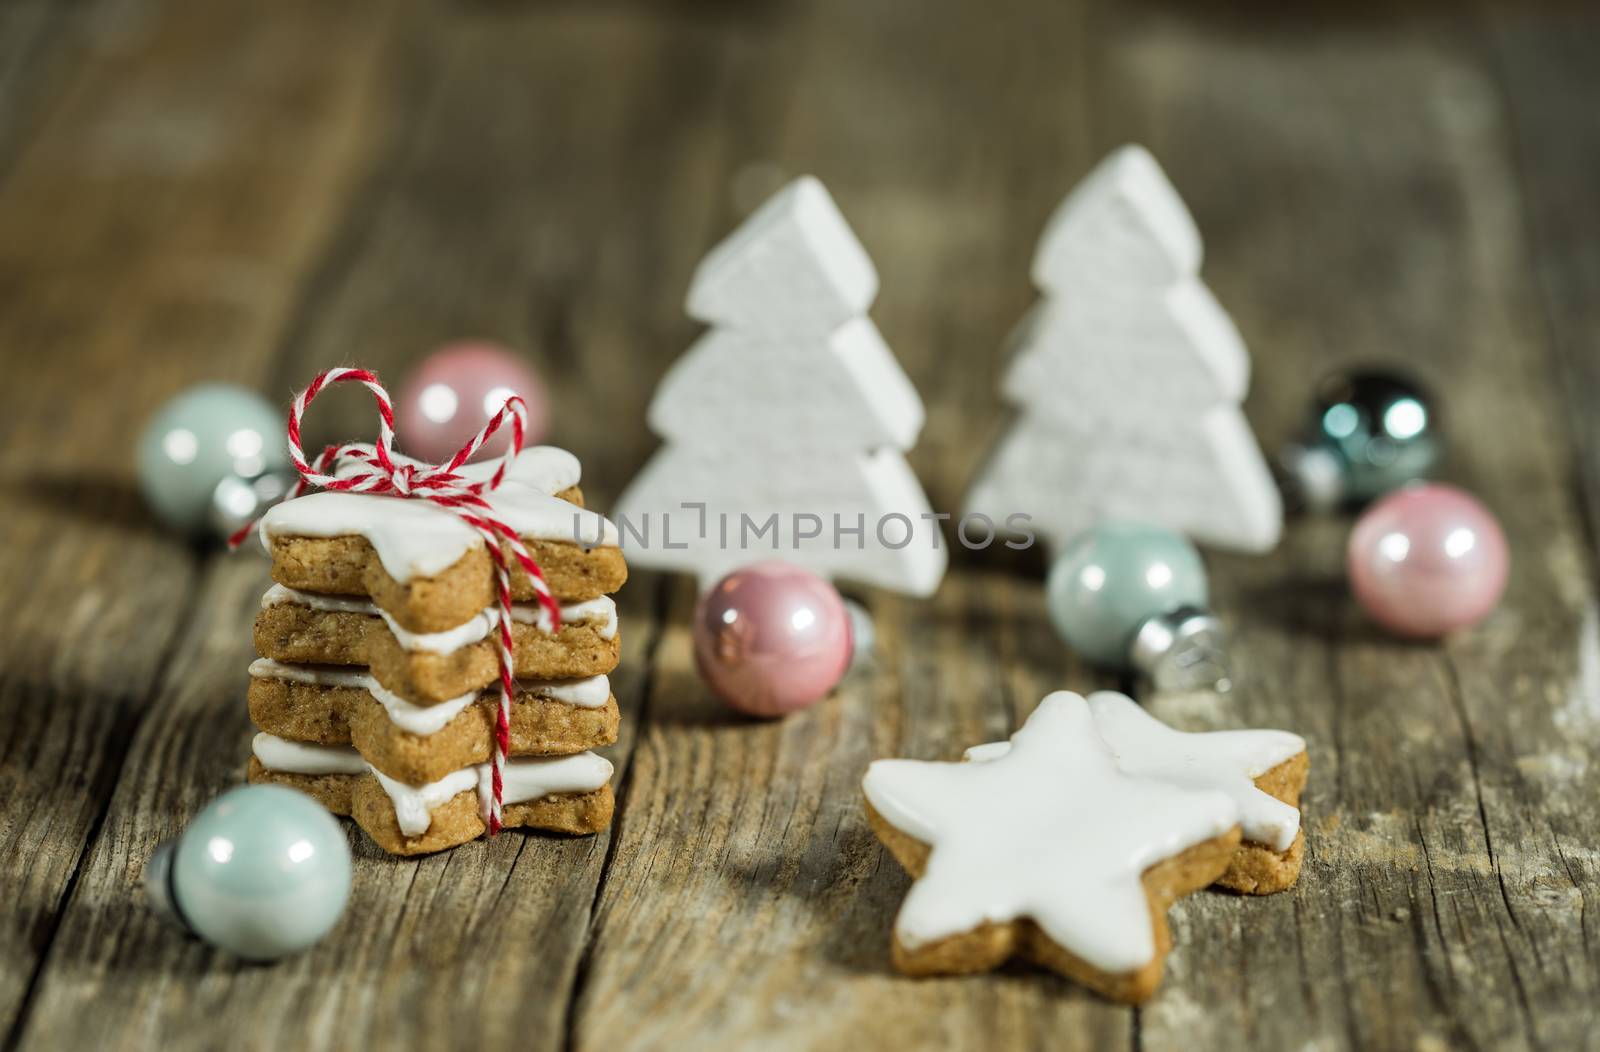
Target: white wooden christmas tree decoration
{"x": 785, "y": 425}
{"x": 1128, "y": 376}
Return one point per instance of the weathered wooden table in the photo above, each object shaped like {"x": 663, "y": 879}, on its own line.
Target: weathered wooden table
{"x": 198, "y": 191}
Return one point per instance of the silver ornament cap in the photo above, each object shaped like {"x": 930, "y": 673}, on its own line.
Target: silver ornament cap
{"x": 863, "y": 635}
{"x": 158, "y": 885}
{"x": 1183, "y": 649}
{"x": 238, "y": 501}
{"x": 1311, "y": 477}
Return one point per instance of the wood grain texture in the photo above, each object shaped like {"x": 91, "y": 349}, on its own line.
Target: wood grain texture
{"x": 480, "y": 923}
{"x": 748, "y": 901}
{"x": 126, "y": 261}
{"x": 1554, "y": 132}
{"x": 492, "y": 94}
{"x": 187, "y": 192}
{"x": 1446, "y": 781}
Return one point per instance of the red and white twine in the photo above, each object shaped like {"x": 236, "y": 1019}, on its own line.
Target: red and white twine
{"x": 440, "y": 485}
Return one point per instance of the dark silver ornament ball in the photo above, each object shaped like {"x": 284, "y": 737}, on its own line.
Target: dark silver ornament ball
{"x": 1369, "y": 431}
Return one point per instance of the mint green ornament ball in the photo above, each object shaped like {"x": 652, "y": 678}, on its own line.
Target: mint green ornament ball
{"x": 200, "y": 438}
{"x": 1111, "y": 579}
{"x": 263, "y": 871}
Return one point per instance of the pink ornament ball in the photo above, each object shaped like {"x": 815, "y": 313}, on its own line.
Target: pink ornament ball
{"x": 455, "y": 391}
{"x": 1427, "y": 560}
{"x": 772, "y": 638}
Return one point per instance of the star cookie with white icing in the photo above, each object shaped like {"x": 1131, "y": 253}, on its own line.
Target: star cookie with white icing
{"x": 1047, "y": 851}
{"x": 424, "y": 565}
{"x": 1263, "y": 771}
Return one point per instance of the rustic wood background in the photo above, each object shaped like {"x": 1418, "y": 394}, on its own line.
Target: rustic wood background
{"x": 193, "y": 190}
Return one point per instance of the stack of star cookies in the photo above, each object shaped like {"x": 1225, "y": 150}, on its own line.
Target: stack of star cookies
{"x": 377, "y": 685}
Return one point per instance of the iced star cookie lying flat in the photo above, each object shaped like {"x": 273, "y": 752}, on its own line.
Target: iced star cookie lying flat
{"x": 1066, "y": 849}
{"x": 1263, "y": 771}
{"x": 1049, "y": 852}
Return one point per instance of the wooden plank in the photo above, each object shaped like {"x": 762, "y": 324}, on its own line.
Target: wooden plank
{"x": 1358, "y": 202}
{"x": 538, "y": 201}
{"x": 483, "y": 214}
{"x": 132, "y": 252}
{"x": 1361, "y": 206}
{"x": 1542, "y": 64}
{"x": 36, "y": 52}
{"x": 748, "y": 903}
{"x": 485, "y": 931}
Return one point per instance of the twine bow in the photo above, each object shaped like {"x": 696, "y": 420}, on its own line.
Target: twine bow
{"x": 440, "y": 485}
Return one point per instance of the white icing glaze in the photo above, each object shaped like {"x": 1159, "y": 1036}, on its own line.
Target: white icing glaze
{"x": 419, "y": 719}
{"x": 423, "y": 720}
{"x": 280, "y": 754}
{"x": 525, "y": 779}
{"x": 603, "y": 610}
{"x": 412, "y": 537}
{"x": 414, "y": 804}
{"x": 1221, "y": 760}
{"x": 538, "y": 515}
{"x": 531, "y": 778}
{"x": 316, "y": 675}
{"x": 1051, "y": 831}
{"x": 986, "y": 752}
{"x": 415, "y": 719}
{"x": 590, "y": 693}
{"x": 416, "y": 538}
{"x": 448, "y": 641}
{"x": 279, "y": 595}
{"x": 1225, "y": 761}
